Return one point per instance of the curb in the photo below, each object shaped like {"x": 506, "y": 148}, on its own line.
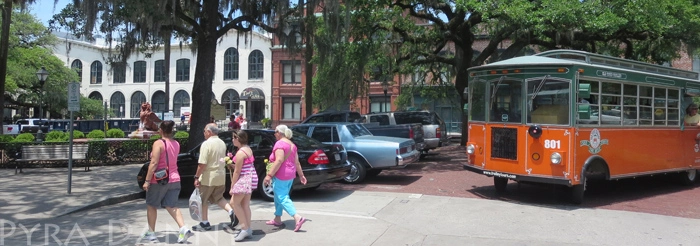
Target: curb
{"x": 107, "y": 202}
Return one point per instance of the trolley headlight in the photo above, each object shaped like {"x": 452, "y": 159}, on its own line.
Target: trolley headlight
{"x": 471, "y": 149}
{"x": 555, "y": 158}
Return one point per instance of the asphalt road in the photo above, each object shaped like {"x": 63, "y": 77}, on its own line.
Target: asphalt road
{"x": 442, "y": 174}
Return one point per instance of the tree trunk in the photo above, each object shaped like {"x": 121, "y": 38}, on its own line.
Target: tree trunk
{"x": 461, "y": 80}
{"x": 4, "y": 43}
{"x": 203, "y": 73}
{"x": 308, "y": 55}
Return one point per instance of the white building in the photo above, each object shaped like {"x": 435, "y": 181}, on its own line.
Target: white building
{"x": 242, "y": 81}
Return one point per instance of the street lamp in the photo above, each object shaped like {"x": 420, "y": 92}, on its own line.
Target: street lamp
{"x": 385, "y": 86}
{"x": 42, "y": 74}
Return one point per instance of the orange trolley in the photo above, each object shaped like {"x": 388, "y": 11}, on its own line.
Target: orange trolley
{"x": 565, "y": 117}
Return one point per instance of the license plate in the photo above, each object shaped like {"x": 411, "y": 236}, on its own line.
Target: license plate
{"x": 337, "y": 157}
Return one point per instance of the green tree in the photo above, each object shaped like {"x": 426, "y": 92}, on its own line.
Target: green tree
{"x": 136, "y": 23}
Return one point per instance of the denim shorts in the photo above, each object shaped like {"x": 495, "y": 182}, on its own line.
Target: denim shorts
{"x": 164, "y": 196}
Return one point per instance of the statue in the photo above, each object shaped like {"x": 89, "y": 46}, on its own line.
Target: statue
{"x": 149, "y": 119}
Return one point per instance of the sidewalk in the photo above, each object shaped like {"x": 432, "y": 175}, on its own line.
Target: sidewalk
{"x": 37, "y": 200}
{"x": 42, "y": 193}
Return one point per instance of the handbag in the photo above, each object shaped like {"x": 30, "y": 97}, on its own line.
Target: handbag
{"x": 161, "y": 175}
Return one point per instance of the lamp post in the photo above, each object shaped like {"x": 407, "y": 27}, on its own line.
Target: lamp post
{"x": 42, "y": 74}
{"x": 385, "y": 86}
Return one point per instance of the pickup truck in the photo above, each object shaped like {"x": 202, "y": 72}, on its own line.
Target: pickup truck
{"x": 411, "y": 131}
{"x": 26, "y": 125}
{"x": 434, "y": 129}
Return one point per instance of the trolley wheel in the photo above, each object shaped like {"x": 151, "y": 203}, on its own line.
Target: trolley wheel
{"x": 689, "y": 177}
{"x": 500, "y": 184}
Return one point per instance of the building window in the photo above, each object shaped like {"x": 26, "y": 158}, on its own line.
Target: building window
{"x": 95, "y": 96}
{"x": 183, "y": 70}
{"x": 696, "y": 64}
{"x": 231, "y": 101}
{"x": 380, "y": 104}
{"x": 158, "y": 100}
{"x": 231, "y": 64}
{"x": 136, "y": 100}
{"x": 292, "y": 109}
{"x": 77, "y": 66}
{"x": 116, "y": 103}
{"x": 292, "y": 72}
{"x": 119, "y": 70}
{"x": 139, "y": 72}
{"x": 159, "y": 71}
{"x": 96, "y": 73}
{"x": 256, "y": 66}
{"x": 181, "y": 99}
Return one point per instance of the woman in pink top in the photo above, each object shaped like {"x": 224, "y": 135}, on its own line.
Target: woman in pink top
{"x": 164, "y": 155}
{"x": 284, "y": 169}
{"x": 244, "y": 180}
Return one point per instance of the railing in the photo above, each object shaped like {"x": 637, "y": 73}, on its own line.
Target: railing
{"x": 100, "y": 152}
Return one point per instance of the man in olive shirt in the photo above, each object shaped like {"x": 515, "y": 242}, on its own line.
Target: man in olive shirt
{"x": 211, "y": 175}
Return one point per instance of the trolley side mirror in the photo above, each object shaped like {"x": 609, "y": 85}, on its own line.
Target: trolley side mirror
{"x": 465, "y": 94}
{"x": 584, "y": 111}
{"x": 584, "y": 90}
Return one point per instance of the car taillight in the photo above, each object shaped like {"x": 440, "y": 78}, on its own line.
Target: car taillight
{"x": 410, "y": 133}
{"x": 318, "y": 158}
{"x": 438, "y": 134}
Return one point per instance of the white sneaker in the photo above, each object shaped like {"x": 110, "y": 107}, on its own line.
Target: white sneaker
{"x": 151, "y": 236}
{"x": 182, "y": 238}
{"x": 241, "y": 235}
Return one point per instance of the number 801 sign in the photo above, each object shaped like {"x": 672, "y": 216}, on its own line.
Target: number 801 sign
{"x": 552, "y": 144}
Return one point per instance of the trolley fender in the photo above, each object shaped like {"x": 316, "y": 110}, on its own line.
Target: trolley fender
{"x": 597, "y": 167}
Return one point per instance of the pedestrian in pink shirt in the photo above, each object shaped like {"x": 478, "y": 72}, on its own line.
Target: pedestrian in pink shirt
{"x": 284, "y": 169}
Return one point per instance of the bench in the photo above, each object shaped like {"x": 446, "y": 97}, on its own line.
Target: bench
{"x": 52, "y": 153}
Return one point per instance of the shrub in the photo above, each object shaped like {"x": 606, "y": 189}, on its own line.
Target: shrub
{"x": 56, "y": 136}
{"x": 181, "y": 134}
{"x": 156, "y": 136}
{"x": 24, "y": 137}
{"x": 99, "y": 134}
{"x": 77, "y": 134}
{"x": 6, "y": 138}
{"x": 115, "y": 133}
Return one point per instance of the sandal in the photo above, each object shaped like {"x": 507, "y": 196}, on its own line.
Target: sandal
{"x": 274, "y": 223}
{"x": 298, "y": 226}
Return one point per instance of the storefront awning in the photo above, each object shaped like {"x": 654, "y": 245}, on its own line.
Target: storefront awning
{"x": 252, "y": 94}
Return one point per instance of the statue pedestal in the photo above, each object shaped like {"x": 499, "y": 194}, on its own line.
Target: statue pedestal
{"x": 142, "y": 134}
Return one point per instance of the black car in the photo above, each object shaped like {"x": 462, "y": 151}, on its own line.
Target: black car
{"x": 320, "y": 162}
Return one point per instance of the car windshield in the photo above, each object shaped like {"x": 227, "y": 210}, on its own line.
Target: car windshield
{"x": 357, "y": 130}
{"x": 423, "y": 118}
{"x": 304, "y": 142}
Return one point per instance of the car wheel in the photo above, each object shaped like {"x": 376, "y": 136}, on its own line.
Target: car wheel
{"x": 265, "y": 190}
{"x": 358, "y": 171}
{"x": 141, "y": 177}
{"x": 688, "y": 177}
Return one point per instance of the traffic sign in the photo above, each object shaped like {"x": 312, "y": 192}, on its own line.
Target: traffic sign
{"x": 74, "y": 96}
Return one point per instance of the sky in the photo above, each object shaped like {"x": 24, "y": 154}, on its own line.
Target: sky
{"x": 44, "y": 9}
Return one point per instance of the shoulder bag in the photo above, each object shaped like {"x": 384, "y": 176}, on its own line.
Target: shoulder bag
{"x": 161, "y": 175}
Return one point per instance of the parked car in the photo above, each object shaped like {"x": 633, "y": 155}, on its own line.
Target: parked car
{"x": 320, "y": 162}
{"x": 26, "y": 125}
{"x": 434, "y": 129}
{"x": 368, "y": 154}
{"x": 412, "y": 131}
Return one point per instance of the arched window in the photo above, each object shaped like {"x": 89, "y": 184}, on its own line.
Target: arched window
{"x": 95, "y": 95}
{"x": 181, "y": 99}
{"x": 136, "y": 100}
{"x": 116, "y": 102}
{"x": 77, "y": 66}
{"x": 256, "y": 65}
{"x": 231, "y": 64}
{"x": 231, "y": 101}
{"x": 158, "y": 100}
{"x": 96, "y": 73}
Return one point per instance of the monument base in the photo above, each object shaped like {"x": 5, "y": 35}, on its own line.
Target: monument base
{"x": 142, "y": 134}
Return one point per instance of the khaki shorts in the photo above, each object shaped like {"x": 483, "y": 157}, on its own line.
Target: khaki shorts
{"x": 212, "y": 193}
